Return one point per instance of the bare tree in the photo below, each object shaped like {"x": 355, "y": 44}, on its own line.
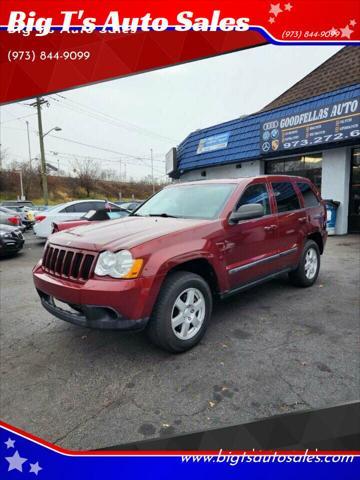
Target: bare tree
{"x": 87, "y": 171}
{"x": 3, "y": 157}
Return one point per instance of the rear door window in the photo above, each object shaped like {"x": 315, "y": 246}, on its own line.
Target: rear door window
{"x": 286, "y": 197}
{"x": 98, "y": 205}
{"x": 84, "y": 207}
{"x": 68, "y": 209}
{"x": 310, "y": 199}
{"x": 256, "y": 193}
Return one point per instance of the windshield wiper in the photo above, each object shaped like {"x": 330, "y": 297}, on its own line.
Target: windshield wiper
{"x": 165, "y": 215}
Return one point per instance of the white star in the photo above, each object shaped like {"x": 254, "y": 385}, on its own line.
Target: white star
{"x": 346, "y": 32}
{"x": 275, "y": 9}
{"x": 271, "y": 19}
{"x": 352, "y": 23}
{"x": 10, "y": 443}
{"x": 15, "y": 462}
{"x": 35, "y": 468}
{"x": 288, "y": 6}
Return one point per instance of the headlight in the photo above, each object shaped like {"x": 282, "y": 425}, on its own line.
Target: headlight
{"x": 118, "y": 265}
{"x": 5, "y": 235}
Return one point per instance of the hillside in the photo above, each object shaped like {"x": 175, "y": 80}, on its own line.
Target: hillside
{"x": 63, "y": 189}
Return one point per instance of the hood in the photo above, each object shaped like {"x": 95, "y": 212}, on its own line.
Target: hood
{"x": 123, "y": 233}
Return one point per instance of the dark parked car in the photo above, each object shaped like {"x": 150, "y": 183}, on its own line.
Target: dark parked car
{"x": 160, "y": 267}
{"x": 11, "y": 240}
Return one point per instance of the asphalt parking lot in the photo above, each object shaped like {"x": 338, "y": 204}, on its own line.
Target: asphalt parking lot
{"x": 271, "y": 350}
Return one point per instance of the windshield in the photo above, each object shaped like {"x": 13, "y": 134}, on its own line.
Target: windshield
{"x": 188, "y": 201}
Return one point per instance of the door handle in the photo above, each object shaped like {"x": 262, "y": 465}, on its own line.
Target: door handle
{"x": 302, "y": 219}
{"x": 268, "y": 228}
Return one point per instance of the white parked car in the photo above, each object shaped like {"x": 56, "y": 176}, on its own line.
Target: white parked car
{"x": 66, "y": 211}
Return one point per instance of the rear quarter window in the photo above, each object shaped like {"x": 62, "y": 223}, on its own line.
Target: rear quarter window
{"x": 310, "y": 199}
{"x": 68, "y": 209}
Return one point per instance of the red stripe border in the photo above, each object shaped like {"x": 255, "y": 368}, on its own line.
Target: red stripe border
{"x": 154, "y": 453}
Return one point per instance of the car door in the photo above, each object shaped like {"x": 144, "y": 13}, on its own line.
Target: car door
{"x": 292, "y": 222}
{"x": 68, "y": 212}
{"x": 252, "y": 244}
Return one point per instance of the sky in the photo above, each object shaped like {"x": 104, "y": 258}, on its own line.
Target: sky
{"x": 119, "y": 122}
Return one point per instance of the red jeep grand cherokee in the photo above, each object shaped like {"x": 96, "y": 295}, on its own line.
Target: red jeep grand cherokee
{"x": 160, "y": 267}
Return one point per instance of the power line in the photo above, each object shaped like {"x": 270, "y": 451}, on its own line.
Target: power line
{"x": 118, "y": 122}
{"x": 69, "y": 157}
{"x": 96, "y": 147}
{"x": 102, "y": 159}
{"x": 17, "y": 118}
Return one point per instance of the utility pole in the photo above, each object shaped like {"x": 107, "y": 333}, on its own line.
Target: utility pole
{"x": 120, "y": 170}
{"x": 28, "y": 137}
{"x": 37, "y": 104}
{"x": 21, "y": 185}
{"x": 44, "y": 183}
{"x": 152, "y": 170}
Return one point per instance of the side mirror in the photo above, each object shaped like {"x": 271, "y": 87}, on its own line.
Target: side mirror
{"x": 246, "y": 212}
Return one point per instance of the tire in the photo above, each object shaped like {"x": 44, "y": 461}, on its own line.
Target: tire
{"x": 164, "y": 329}
{"x": 307, "y": 271}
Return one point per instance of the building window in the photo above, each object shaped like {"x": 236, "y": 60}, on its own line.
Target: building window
{"x": 308, "y": 166}
{"x": 203, "y": 173}
{"x": 354, "y": 194}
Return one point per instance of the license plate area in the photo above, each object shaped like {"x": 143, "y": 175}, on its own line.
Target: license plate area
{"x": 64, "y": 306}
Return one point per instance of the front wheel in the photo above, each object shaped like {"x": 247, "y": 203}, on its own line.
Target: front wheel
{"x": 308, "y": 269}
{"x": 181, "y": 313}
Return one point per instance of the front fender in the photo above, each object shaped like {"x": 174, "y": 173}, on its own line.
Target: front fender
{"x": 164, "y": 260}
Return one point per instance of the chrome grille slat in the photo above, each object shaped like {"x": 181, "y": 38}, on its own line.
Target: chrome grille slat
{"x": 68, "y": 263}
{"x": 45, "y": 256}
{"x": 51, "y": 253}
{"x": 53, "y": 260}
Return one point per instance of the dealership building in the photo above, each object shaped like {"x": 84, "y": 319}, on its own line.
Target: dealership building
{"x": 311, "y": 130}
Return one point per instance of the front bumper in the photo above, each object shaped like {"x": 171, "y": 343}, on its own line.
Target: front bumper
{"x": 98, "y": 303}
{"x": 91, "y": 316}
{"x": 10, "y": 245}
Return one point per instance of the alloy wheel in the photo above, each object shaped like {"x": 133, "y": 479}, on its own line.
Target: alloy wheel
{"x": 311, "y": 263}
{"x": 188, "y": 313}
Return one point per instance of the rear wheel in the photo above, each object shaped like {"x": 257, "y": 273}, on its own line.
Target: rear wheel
{"x": 181, "y": 313}
{"x": 308, "y": 269}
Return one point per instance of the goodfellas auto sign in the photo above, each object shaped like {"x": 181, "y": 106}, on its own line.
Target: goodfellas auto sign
{"x": 334, "y": 122}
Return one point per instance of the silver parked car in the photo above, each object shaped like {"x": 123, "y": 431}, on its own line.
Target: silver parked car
{"x": 10, "y": 217}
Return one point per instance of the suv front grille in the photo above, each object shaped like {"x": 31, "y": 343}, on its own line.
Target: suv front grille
{"x": 66, "y": 263}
